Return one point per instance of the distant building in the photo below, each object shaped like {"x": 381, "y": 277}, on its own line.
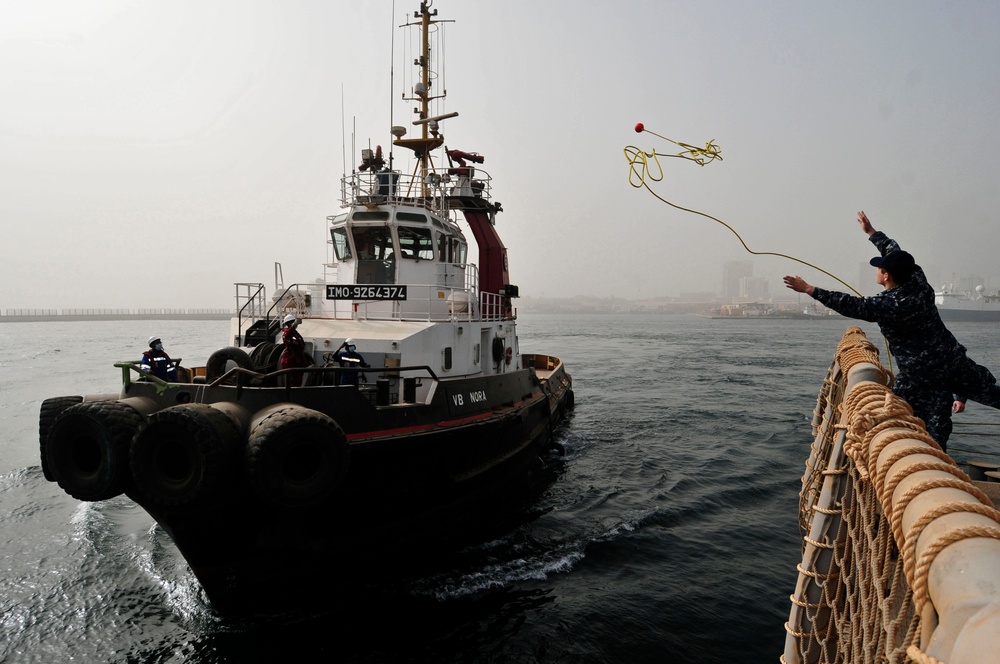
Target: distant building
{"x": 753, "y": 289}
{"x": 732, "y": 273}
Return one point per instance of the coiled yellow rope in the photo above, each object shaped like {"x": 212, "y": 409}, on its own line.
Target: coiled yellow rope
{"x": 639, "y": 172}
{"x": 638, "y": 165}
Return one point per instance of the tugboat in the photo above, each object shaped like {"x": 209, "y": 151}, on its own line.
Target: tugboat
{"x": 265, "y": 477}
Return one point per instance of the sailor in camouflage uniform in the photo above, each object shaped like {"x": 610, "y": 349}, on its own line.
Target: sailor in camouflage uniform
{"x": 932, "y": 365}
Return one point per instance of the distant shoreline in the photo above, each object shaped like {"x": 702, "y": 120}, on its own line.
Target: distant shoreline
{"x": 49, "y": 318}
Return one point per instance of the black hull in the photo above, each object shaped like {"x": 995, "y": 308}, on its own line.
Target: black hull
{"x": 419, "y": 478}
{"x": 970, "y": 315}
{"x": 251, "y": 556}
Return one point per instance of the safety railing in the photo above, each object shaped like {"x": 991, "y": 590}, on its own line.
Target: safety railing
{"x": 251, "y": 298}
{"x": 287, "y": 380}
{"x": 424, "y": 302}
{"x": 432, "y": 191}
{"x": 901, "y": 550}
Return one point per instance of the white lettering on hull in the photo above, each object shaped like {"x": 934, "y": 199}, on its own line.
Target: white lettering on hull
{"x": 479, "y": 396}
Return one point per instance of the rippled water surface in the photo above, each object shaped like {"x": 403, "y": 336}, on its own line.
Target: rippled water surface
{"x": 670, "y": 534}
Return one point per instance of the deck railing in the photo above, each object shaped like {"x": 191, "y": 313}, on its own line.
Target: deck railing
{"x": 432, "y": 191}
{"x": 424, "y": 303}
{"x": 901, "y": 550}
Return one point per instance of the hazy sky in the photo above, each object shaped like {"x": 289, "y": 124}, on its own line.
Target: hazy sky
{"x": 154, "y": 153}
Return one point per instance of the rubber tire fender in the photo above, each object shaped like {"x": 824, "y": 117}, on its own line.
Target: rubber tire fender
{"x": 263, "y": 357}
{"x": 296, "y": 457}
{"x": 50, "y": 410}
{"x": 274, "y": 357}
{"x": 185, "y": 455}
{"x": 217, "y": 362}
{"x": 87, "y": 449}
{"x": 259, "y": 350}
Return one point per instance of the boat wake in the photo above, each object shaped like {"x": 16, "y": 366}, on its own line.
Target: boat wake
{"x": 147, "y": 564}
{"x": 534, "y": 554}
{"x": 501, "y": 574}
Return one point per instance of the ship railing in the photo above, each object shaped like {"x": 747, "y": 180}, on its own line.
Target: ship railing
{"x": 494, "y": 307}
{"x": 436, "y": 303}
{"x": 184, "y": 374}
{"x": 432, "y": 191}
{"x": 379, "y": 393}
{"x": 295, "y": 300}
{"x": 251, "y": 298}
{"x": 252, "y": 308}
{"x": 424, "y": 302}
{"x": 901, "y": 549}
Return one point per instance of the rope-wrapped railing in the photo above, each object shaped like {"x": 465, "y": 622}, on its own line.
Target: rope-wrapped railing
{"x": 901, "y": 550}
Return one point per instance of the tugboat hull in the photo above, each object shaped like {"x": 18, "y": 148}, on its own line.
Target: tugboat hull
{"x": 266, "y": 491}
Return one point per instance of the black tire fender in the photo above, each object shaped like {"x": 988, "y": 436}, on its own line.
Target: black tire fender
{"x": 185, "y": 455}
{"x": 296, "y": 456}
{"x": 219, "y": 360}
{"x": 50, "y": 410}
{"x": 260, "y": 356}
{"x": 87, "y": 449}
{"x": 274, "y": 357}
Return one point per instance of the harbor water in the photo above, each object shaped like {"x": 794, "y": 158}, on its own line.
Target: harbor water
{"x": 669, "y": 535}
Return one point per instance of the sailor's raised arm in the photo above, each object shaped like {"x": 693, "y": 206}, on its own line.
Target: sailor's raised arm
{"x": 866, "y": 225}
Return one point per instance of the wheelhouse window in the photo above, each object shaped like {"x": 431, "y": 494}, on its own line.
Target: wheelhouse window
{"x": 340, "y": 245}
{"x": 370, "y": 215}
{"x": 376, "y": 254}
{"x": 451, "y": 249}
{"x": 415, "y": 243}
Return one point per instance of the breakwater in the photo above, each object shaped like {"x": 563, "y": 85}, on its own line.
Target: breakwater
{"x": 48, "y": 315}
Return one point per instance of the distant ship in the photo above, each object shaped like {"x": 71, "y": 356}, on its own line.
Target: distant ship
{"x": 955, "y": 305}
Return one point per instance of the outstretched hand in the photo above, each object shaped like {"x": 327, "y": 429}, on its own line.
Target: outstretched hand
{"x": 799, "y": 285}
{"x": 866, "y": 225}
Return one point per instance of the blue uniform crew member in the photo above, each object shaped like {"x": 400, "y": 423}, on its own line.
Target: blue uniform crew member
{"x": 349, "y": 357}
{"x": 934, "y": 374}
{"x": 156, "y": 361}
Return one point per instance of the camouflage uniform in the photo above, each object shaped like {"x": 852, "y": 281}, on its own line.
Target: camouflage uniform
{"x": 932, "y": 365}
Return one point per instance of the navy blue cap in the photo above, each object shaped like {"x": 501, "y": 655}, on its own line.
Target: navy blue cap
{"x": 899, "y": 264}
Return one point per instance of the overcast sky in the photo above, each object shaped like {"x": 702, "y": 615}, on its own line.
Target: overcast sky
{"x": 154, "y": 153}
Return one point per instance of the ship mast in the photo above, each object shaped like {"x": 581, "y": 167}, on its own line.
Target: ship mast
{"x": 430, "y": 138}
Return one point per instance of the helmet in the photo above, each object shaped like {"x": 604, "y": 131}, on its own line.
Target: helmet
{"x": 153, "y": 341}
{"x": 349, "y": 343}
{"x": 290, "y": 318}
